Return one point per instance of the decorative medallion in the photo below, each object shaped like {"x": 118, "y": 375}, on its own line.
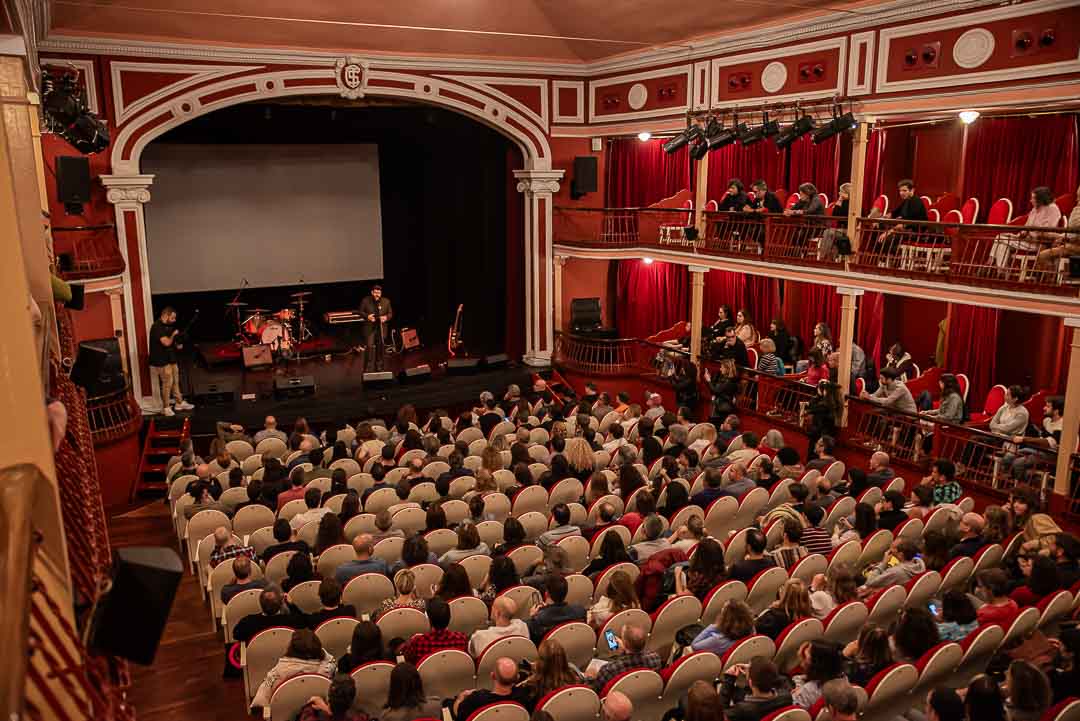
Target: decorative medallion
{"x": 973, "y": 48}
{"x": 351, "y": 74}
{"x": 638, "y": 96}
{"x": 773, "y": 77}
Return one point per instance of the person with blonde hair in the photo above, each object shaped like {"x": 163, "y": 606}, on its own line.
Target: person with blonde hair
{"x": 550, "y": 672}
{"x": 744, "y": 328}
{"x": 768, "y": 361}
{"x": 405, "y": 586}
{"x": 792, "y": 605}
{"x": 619, "y": 596}
{"x": 579, "y": 455}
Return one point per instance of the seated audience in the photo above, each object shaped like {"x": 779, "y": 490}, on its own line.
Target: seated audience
{"x": 864, "y": 525}
{"x": 992, "y": 586}
{"x": 735, "y": 622}
{"x": 503, "y": 624}
{"x": 1065, "y": 550}
{"x": 755, "y": 560}
{"x": 438, "y": 638}
{"x": 337, "y": 706}
{"x": 501, "y": 575}
{"x": 554, "y": 610}
{"x": 1027, "y": 692}
{"x": 550, "y": 672}
{"x": 631, "y": 654}
{"x": 821, "y": 662}
{"x": 653, "y": 543}
{"x": 406, "y": 700}
{"x": 891, "y": 393}
{"x": 224, "y": 548}
{"x": 366, "y": 645}
{"x": 890, "y": 510}
{"x": 971, "y": 538}
{"x": 453, "y": 584}
{"x": 1040, "y": 576}
{"x": 790, "y": 551}
{"x": 957, "y": 617}
{"x": 561, "y": 515}
{"x": 828, "y": 592}
{"x": 764, "y": 692}
{"x": 612, "y": 551}
{"x": 619, "y": 596}
{"x": 880, "y": 473}
{"x": 901, "y": 564}
{"x": 331, "y": 607}
{"x": 242, "y": 579}
{"x": 984, "y": 700}
{"x": 503, "y": 677}
{"x": 304, "y": 655}
{"x": 300, "y": 569}
{"x": 312, "y": 499}
{"x": 469, "y": 544}
{"x": 274, "y": 611}
{"x": 867, "y": 655}
{"x": 364, "y": 562}
{"x": 407, "y": 594}
{"x": 792, "y": 605}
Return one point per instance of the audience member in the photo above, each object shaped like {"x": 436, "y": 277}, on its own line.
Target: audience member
{"x": 554, "y": 610}
{"x": 632, "y": 655}
{"x": 406, "y": 700}
{"x": 504, "y": 623}
{"x": 735, "y": 622}
{"x": 242, "y": 579}
{"x": 305, "y": 655}
{"x": 438, "y": 638}
{"x": 364, "y": 562}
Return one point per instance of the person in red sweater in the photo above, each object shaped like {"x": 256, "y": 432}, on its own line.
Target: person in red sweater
{"x": 993, "y": 585}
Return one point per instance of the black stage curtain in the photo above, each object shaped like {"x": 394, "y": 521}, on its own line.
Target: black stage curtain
{"x": 443, "y": 187}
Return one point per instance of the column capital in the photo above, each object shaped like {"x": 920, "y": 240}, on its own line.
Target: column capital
{"x": 132, "y": 190}
{"x": 845, "y": 290}
{"x": 698, "y": 268}
{"x": 538, "y": 182}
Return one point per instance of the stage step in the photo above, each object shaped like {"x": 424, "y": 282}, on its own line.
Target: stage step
{"x": 163, "y": 439}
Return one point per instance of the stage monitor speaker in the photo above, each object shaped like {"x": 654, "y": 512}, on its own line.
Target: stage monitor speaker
{"x": 497, "y": 360}
{"x": 462, "y": 366}
{"x": 379, "y": 379}
{"x": 256, "y": 356}
{"x": 220, "y": 393}
{"x": 410, "y": 339}
{"x": 130, "y": 617}
{"x": 416, "y": 374}
{"x": 584, "y": 181}
{"x": 98, "y": 367}
{"x": 73, "y": 179}
{"x": 585, "y": 314}
{"x": 78, "y": 297}
{"x": 294, "y": 387}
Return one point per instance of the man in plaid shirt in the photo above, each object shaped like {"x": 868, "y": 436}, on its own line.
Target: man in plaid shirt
{"x": 225, "y": 549}
{"x": 438, "y": 638}
{"x": 633, "y": 656}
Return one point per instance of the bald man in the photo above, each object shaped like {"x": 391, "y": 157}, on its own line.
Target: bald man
{"x": 224, "y": 548}
{"x": 971, "y": 540}
{"x": 503, "y": 611}
{"x": 880, "y": 474}
{"x": 503, "y": 677}
{"x": 616, "y": 707}
{"x": 270, "y": 430}
{"x": 363, "y": 547}
{"x": 631, "y": 655}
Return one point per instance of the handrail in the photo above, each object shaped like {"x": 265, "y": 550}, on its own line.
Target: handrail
{"x": 606, "y": 356}
{"x": 19, "y": 486}
{"x": 113, "y": 416}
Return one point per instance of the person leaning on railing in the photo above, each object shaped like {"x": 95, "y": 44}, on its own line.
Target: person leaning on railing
{"x": 826, "y": 247}
{"x": 1066, "y": 244}
{"x": 1044, "y": 213}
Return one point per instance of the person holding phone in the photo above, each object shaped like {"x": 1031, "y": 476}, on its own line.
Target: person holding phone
{"x": 631, "y": 655}
{"x": 766, "y": 691}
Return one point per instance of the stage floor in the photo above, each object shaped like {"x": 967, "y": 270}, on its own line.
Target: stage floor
{"x": 340, "y": 395}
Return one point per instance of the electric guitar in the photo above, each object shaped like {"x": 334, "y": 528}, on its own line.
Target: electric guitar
{"x": 454, "y": 342}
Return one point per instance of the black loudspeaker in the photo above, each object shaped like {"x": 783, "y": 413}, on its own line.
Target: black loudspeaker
{"x": 73, "y": 179}
{"x": 585, "y": 314}
{"x": 130, "y": 617}
{"x": 584, "y": 180}
{"x": 98, "y": 367}
{"x": 417, "y": 374}
{"x": 220, "y": 393}
{"x": 78, "y": 297}
{"x": 378, "y": 379}
{"x": 462, "y": 366}
{"x": 294, "y": 387}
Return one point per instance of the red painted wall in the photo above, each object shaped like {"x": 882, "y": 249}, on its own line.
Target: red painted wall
{"x": 914, "y": 323}
{"x": 563, "y": 152}
{"x": 1038, "y": 364}
{"x": 118, "y": 464}
{"x": 95, "y": 320}
{"x": 587, "y": 278}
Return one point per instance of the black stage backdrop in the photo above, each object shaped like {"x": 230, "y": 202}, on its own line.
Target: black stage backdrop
{"x": 444, "y": 201}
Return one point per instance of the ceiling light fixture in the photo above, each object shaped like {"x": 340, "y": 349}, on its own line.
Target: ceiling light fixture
{"x": 967, "y": 117}
{"x": 647, "y": 260}
{"x": 644, "y": 136}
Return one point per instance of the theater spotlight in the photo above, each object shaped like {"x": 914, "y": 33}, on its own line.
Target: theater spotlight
{"x": 699, "y": 144}
{"x": 66, "y": 113}
{"x": 838, "y": 124}
{"x": 692, "y": 132}
{"x": 720, "y": 136}
{"x": 802, "y": 125}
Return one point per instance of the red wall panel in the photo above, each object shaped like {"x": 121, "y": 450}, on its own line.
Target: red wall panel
{"x": 914, "y": 323}
{"x": 587, "y": 278}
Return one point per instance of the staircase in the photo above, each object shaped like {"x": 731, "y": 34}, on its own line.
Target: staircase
{"x": 163, "y": 440}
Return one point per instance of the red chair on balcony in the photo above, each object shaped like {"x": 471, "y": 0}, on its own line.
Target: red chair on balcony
{"x": 927, "y": 202}
{"x": 674, "y": 233}
{"x": 1000, "y": 212}
{"x": 969, "y": 212}
{"x": 791, "y": 201}
{"x": 945, "y": 203}
{"x": 881, "y": 204}
{"x": 824, "y": 200}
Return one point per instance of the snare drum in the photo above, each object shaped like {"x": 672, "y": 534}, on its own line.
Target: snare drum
{"x": 276, "y": 335}
{"x": 254, "y": 324}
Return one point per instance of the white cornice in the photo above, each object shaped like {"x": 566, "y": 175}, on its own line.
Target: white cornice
{"x": 864, "y": 18}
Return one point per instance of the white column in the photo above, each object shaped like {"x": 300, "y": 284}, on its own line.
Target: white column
{"x": 697, "y": 302}
{"x": 128, "y": 194}
{"x": 1071, "y": 417}
{"x": 847, "y": 338}
{"x": 560, "y": 262}
{"x": 538, "y": 187}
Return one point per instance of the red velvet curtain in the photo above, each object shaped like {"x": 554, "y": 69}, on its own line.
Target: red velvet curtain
{"x": 641, "y": 173}
{"x": 651, "y": 297}
{"x": 972, "y": 347}
{"x": 874, "y": 169}
{"x": 760, "y": 161}
{"x": 1007, "y": 157}
{"x": 817, "y": 164}
{"x": 757, "y": 295}
{"x": 805, "y": 304}
{"x": 871, "y": 320}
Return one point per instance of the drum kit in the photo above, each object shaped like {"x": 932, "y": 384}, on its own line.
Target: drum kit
{"x": 283, "y": 331}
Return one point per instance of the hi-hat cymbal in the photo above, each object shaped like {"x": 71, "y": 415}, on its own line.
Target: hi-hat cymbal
{"x": 301, "y": 294}
{"x": 236, "y": 303}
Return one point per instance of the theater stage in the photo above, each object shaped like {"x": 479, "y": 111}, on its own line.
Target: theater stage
{"x": 340, "y": 394}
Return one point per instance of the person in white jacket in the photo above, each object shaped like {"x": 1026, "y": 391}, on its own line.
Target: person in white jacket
{"x": 305, "y": 654}
{"x": 900, "y": 566}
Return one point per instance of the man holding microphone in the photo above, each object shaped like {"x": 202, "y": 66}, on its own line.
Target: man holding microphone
{"x": 163, "y": 369}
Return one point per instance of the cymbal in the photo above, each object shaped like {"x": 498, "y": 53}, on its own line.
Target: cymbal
{"x": 302, "y": 294}
{"x": 260, "y": 310}
{"x": 236, "y": 303}
{"x": 298, "y": 302}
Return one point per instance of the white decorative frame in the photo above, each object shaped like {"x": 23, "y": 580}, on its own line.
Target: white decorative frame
{"x": 861, "y": 44}
{"x": 486, "y": 84}
{"x": 839, "y": 44}
{"x": 631, "y": 78}
{"x": 884, "y": 85}
{"x": 578, "y": 86}
{"x": 701, "y": 96}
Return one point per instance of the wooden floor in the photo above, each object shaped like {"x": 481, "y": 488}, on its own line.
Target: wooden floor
{"x": 185, "y": 682}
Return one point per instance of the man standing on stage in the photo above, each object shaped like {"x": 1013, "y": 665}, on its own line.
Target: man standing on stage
{"x": 163, "y": 369}
{"x": 377, "y": 312}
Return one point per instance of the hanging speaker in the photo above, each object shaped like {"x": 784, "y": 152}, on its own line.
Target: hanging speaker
{"x": 73, "y": 179}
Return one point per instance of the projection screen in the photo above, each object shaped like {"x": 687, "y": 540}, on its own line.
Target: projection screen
{"x": 275, "y": 215}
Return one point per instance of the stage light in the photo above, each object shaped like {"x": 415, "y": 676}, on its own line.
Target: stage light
{"x": 692, "y": 132}
{"x": 717, "y": 136}
{"x": 838, "y": 124}
{"x": 647, "y": 261}
{"x": 66, "y": 112}
{"x": 644, "y": 136}
{"x": 967, "y": 117}
{"x": 802, "y": 125}
{"x": 699, "y": 149}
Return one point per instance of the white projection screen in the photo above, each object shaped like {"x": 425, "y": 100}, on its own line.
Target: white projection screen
{"x": 274, "y": 215}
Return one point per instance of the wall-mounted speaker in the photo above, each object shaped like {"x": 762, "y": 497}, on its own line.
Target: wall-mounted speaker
{"x": 98, "y": 367}
{"x": 584, "y": 180}
{"x": 73, "y": 179}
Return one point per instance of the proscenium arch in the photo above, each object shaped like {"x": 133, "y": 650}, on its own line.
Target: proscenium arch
{"x": 147, "y": 125}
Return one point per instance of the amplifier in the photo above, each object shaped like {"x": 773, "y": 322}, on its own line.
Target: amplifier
{"x": 294, "y": 387}
{"x": 257, "y": 355}
{"x": 409, "y": 339}
{"x": 218, "y": 393}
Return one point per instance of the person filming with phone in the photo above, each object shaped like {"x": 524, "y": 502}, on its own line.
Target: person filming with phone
{"x": 630, "y": 655}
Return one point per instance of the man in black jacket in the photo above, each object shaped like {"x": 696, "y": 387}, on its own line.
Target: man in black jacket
{"x": 735, "y": 199}
{"x": 971, "y": 540}
{"x": 766, "y": 692}
{"x": 910, "y": 208}
{"x": 765, "y": 201}
{"x": 554, "y": 610}
{"x": 274, "y": 613}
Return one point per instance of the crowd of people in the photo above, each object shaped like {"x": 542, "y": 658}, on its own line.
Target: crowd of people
{"x": 639, "y": 473}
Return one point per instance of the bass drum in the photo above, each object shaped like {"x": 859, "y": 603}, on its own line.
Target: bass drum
{"x": 276, "y": 335}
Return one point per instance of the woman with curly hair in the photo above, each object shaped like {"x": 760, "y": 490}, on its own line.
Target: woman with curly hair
{"x": 580, "y": 457}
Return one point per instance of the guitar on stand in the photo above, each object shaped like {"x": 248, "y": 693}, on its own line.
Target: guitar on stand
{"x": 454, "y": 343}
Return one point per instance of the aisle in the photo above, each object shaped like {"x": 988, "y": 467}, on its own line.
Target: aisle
{"x": 185, "y": 683}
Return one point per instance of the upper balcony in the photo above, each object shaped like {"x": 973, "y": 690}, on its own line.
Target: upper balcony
{"x": 1028, "y": 267}
{"x": 89, "y": 251}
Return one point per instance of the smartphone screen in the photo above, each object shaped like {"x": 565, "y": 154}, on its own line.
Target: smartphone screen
{"x": 612, "y": 644}
{"x": 933, "y": 608}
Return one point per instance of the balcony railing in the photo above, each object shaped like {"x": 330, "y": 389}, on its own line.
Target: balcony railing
{"x": 94, "y": 251}
{"x": 986, "y": 256}
{"x": 616, "y": 356}
{"x": 113, "y": 416}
